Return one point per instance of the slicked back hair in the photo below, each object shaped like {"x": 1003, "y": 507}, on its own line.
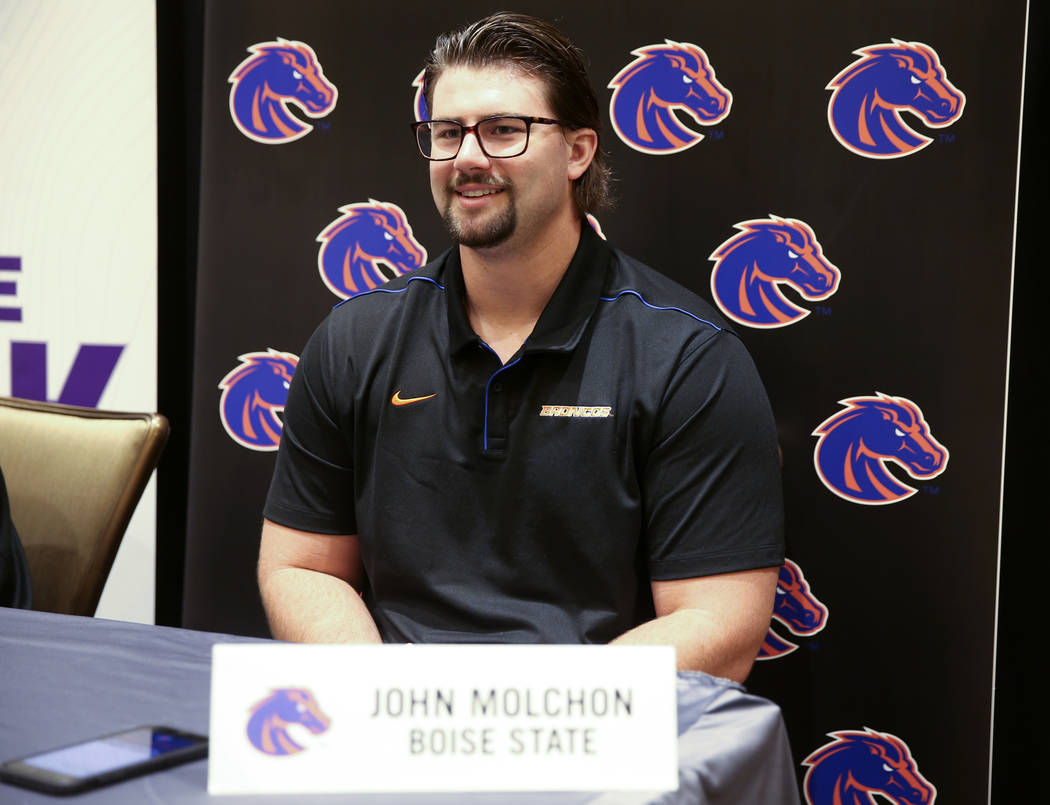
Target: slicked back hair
{"x": 538, "y": 49}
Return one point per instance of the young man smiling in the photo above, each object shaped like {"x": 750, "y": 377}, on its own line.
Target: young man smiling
{"x": 534, "y": 438}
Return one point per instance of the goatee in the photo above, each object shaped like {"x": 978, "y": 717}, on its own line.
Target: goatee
{"x": 483, "y": 234}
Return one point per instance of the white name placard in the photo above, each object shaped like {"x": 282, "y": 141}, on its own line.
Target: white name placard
{"x": 329, "y": 719}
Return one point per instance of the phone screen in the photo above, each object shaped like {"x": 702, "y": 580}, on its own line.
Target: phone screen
{"x": 111, "y": 752}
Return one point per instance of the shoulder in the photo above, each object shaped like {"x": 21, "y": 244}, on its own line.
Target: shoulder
{"x": 367, "y": 323}
{"x": 426, "y": 281}
{"x": 640, "y": 293}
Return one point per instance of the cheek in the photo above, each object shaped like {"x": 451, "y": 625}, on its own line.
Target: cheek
{"x": 438, "y": 180}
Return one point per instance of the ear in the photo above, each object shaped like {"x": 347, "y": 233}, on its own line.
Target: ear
{"x": 583, "y": 143}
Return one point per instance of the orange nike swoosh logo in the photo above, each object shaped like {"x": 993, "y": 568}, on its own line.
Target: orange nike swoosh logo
{"x": 397, "y": 399}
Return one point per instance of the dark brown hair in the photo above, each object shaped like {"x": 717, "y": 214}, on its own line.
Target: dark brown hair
{"x": 538, "y": 49}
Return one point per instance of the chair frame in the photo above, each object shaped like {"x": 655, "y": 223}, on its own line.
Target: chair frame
{"x": 88, "y": 589}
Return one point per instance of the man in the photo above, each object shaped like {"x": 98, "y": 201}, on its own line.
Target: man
{"x": 534, "y": 438}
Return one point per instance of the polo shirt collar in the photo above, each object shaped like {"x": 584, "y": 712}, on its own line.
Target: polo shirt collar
{"x": 563, "y": 320}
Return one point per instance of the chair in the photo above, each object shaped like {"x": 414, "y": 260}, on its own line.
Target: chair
{"x": 74, "y": 476}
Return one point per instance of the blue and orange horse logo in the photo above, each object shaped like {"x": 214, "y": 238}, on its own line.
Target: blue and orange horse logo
{"x": 796, "y": 608}
{"x": 868, "y": 97}
{"x": 674, "y": 76}
{"x": 252, "y": 396}
{"x": 269, "y": 720}
{"x": 275, "y": 75}
{"x": 856, "y": 765}
{"x": 769, "y": 252}
{"x": 855, "y": 444}
{"x": 596, "y": 226}
{"x": 419, "y": 102}
{"x": 365, "y": 238}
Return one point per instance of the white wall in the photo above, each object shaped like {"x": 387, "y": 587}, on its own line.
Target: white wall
{"x": 78, "y": 192}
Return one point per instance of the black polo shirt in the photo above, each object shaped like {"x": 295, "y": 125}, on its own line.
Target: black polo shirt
{"x": 629, "y": 439}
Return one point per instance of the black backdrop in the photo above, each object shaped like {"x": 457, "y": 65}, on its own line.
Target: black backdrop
{"x": 924, "y": 244}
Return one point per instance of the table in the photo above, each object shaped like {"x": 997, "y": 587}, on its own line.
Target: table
{"x": 69, "y": 678}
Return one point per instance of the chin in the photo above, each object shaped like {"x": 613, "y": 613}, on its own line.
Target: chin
{"x": 481, "y": 234}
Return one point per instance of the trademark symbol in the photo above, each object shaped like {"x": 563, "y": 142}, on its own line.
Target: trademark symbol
{"x": 946, "y": 138}
{"x": 931, "y": 490}
{"x": 716, "y": 134}
{"x": 324, "y": 125}
{"x": 822, "y": 310}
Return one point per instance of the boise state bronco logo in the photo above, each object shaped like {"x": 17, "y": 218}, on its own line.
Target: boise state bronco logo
{"x": 275, "y": 75}
{"x": 419, "y": 103}
{"x": 855, "y": 445}
{"x": 796, "y": 608}
{"x": 363, "y": 238}
{"x": 674, "y": 76}
{"x": 269, "y": 720}
{"x": 597, "y": 227}
{"x": 769, "y": 252}
{"x": 253, "y": 394}
{"x": 868, "y": 98}
{"x": 857, "y": 765}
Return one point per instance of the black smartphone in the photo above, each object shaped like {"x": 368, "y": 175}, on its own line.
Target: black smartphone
{"x": 104, "y": 760}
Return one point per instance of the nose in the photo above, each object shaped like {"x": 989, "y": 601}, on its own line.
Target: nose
{"x": 470, "y": 154}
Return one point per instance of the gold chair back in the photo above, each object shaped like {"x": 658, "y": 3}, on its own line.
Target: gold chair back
{"x": 74, "y": 477}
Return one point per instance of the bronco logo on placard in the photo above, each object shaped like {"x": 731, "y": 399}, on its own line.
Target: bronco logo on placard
{"x": 269, "y": 720}
{"x": 674, "y": 76}
{"x": 365, "y": 237}
{"x": 796, "y": 608}
{"x": 857, "y": 765}
{"x": 275, "y": 75}
{"x": 769, "y": 252}
{"x": 870, "y": 94}
{"x": 253, "y": 394}
{"x": 856, "y": 444}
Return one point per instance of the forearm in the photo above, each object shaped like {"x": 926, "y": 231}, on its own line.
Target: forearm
{"x": 306, "y": 606}
{"x": 700, "y": 643}
{"x": 716, "y": 623}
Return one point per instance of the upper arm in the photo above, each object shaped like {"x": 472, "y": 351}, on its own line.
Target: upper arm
{"x": 313, "y": 480}
{"x": 712, "y": 476}
{"x": 743, "y": 599}
{"x": 730, "y": 616}
{"x": 337, "y": 555}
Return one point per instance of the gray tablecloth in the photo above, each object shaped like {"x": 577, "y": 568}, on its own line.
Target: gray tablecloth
{"x": 67, "y": 679}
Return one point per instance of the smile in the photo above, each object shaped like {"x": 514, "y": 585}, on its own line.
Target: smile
{"x": 479, "y": 193}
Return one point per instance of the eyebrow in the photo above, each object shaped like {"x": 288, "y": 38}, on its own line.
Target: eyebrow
{"x": 485, "y": 117}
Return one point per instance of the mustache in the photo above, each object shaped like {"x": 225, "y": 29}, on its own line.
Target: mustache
{"x": 478, "y": 178}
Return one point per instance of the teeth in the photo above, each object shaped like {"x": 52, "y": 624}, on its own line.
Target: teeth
{"x": 477, "y": 193}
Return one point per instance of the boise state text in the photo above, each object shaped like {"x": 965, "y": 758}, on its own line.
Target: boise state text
{"x": 674, "y": 76}
{"x": 252, "y": 395}
{"x": 855, "y": 444}
{"x": 869, "y": 95}
{"x": 769, "y": 252}
{"x": 275, "y": 75}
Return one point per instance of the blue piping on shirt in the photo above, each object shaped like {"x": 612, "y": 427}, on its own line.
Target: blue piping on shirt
{"x": 485, "y": 432}
{"x": 387, "y": 290}
{"x": 657, "y": 307}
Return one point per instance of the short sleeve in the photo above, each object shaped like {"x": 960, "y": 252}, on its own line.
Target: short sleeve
{"x": 313, "y": 481}
{"x": 712, "y": 488}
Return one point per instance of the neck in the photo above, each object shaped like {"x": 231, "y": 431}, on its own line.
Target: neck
{"x": 508, "y": 286}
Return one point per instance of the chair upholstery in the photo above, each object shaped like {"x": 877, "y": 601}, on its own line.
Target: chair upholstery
{"x": 74, "y": 476}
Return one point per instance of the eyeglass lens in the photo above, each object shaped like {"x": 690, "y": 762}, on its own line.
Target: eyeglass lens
{"x": 498, "y": 136}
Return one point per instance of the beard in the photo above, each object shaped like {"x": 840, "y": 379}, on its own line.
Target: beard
{"x": 491, "y": 231}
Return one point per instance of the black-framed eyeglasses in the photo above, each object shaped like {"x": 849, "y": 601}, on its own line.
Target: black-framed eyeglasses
{"x": 498, "y": 137}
